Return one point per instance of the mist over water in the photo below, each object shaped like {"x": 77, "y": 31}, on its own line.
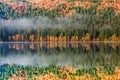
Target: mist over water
{"x": 43, "y": 60}
{"x": 77, "y": 61}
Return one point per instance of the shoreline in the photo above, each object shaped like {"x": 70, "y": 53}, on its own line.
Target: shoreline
{"x": 61, "y": 42}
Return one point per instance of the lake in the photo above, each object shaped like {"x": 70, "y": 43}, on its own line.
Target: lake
{"x": 79, "y": 55}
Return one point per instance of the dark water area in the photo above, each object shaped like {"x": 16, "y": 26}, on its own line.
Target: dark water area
{"x": 79, "y": 55}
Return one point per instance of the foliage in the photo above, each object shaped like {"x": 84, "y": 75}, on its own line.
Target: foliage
{"x": 30, "y": 72}
{"x": 102, "y": 24}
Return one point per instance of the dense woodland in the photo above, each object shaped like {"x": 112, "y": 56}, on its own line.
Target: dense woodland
{"x": 102, "y": 25}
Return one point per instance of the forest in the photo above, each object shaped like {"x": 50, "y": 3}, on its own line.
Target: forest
{"x": 93, "y": 21}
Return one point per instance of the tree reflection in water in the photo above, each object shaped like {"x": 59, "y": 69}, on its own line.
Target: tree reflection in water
{"x": 79, "y": 55}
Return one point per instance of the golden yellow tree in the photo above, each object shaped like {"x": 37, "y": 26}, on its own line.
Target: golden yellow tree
{"x": 32, "y": 37}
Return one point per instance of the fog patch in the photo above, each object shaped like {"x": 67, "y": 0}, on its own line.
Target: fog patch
{"x": 45, "y": 22}
{"x": 46, "y": 60}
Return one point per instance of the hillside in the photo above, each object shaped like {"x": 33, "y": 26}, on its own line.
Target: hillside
{"x": 56, "y": 7}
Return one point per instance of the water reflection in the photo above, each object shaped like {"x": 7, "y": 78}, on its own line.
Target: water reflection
{"x": 79, "y": 55}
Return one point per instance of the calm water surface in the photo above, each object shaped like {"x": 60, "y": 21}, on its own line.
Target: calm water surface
{"x": 78, "y": 55}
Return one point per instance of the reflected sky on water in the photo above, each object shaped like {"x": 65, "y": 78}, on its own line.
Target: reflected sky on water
{"x": 79, "y": 55}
